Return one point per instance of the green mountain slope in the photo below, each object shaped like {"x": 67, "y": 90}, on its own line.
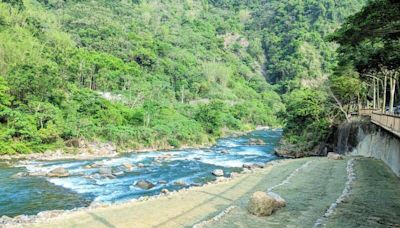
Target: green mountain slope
{"x": 154, "y": 73}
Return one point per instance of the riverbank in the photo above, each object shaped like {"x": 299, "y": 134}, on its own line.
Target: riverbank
{"x": 81, "y": 150}
{"x": 309, "y": 185}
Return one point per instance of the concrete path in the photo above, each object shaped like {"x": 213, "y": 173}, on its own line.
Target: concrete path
{"x": 309, "y": 185}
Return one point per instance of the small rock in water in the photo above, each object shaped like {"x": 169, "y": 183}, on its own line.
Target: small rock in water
{"x": 253, "y": 141}
{"x": 143, "y": 184}
{"x": 334, "y": 156}
{"x": 164, "y": 191}
{"x": 58, "y": 172}
{"x": 19, "y": 175}
{"x": 180, "y": 183}
{"x": 87, "y": 167}
{"x": 162, "y": 182}
{"x": 218, "y": 172}
{"x": 197, "y": 158}
{"x": 118, "y": 173}
{"x": 247, "y": 166}
{"x": 127, "y": 166}
{"x": 224, "y": 152}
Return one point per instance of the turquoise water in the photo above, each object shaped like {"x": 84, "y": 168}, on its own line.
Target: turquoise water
{"x": 30, "y": 195}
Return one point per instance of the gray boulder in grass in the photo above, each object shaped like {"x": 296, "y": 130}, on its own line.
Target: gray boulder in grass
{"x": 264, "y": 204}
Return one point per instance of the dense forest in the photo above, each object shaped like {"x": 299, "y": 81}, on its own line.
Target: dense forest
{"x": 166, "y": 73}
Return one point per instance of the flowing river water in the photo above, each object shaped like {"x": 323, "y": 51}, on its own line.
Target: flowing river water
{"x": 170, "y": 170}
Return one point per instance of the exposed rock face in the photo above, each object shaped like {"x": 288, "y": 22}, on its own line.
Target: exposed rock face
{"x": 218, "y": 172}
{"x": 143, "y": 184}
{"x": 58, "y": 172}
{"x": 263, "y": 204}
{"x": 334, "y": 156}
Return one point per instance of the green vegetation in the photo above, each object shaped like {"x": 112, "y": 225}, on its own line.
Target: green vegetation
{"x": 163, "y": 73}
{"x": 364, "y": 74}
{"x": 140, "y": 74}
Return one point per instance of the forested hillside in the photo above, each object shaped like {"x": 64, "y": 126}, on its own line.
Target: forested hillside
{"x": 148, "y": 74}
{"x": 162, "y": 73}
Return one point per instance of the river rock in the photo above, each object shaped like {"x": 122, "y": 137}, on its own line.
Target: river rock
{"x": 127, "y": 166}
{"x": 118, "y": 173}
{"x": 162, "y": 182}
{"x": 259, "y": 165}
{"x": 144, "y": 184}
{"x": 253, "y": 141}
{"x": 58, "y": 172}
{"x": 334, "y": 156}
{"x": 19, "y": 175}
{"x": 249, "y": 166}
{"x": 262, "y": 204}
{"x": 218, "y": 172}
{"x": 224, "y": 152}
{"x": 164, "y": 191}
{"x": 180, "y": 183}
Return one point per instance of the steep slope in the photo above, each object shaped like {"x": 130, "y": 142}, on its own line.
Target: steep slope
{"x": 155, "y": 74}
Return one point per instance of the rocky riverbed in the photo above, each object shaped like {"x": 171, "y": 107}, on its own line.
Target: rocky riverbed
{"x": 33, "y": 186}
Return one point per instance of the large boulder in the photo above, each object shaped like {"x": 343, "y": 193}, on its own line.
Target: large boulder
{"x": 58, "y": 172}
{"x": 144, "y": 184}
{"x": 334, "y": 156}
{"x": 263, "y": 204}
{"x": 218, "y": 172}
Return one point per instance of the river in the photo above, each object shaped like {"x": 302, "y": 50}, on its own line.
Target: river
{"x": 30, "y": 195}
